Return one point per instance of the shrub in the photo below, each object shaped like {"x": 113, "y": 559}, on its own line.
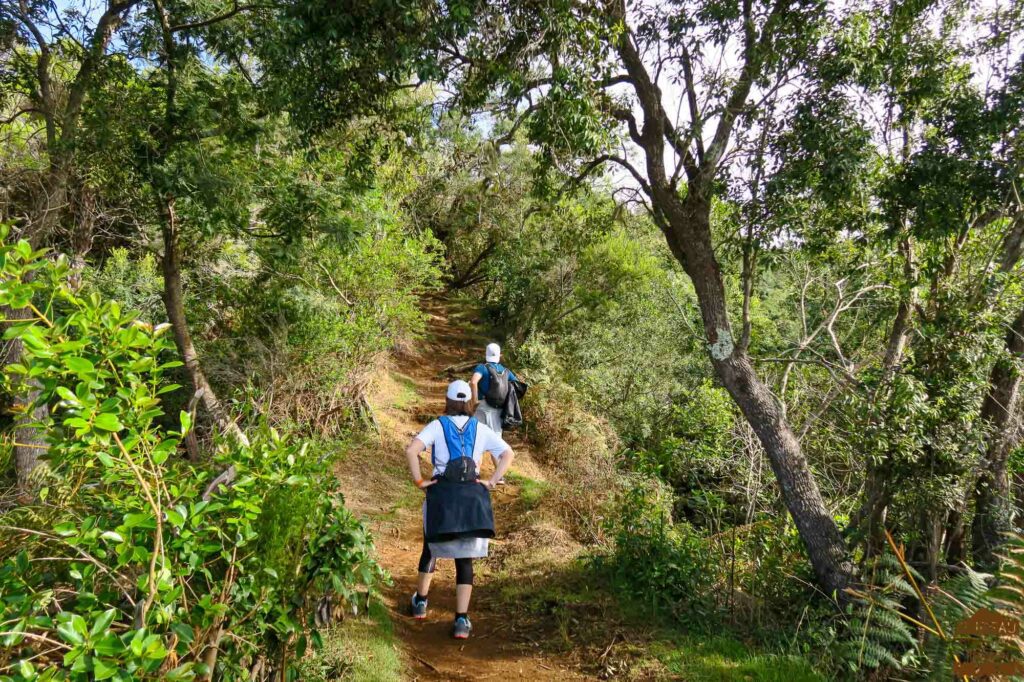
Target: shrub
{"x": 311, "y": 332}
{"x": 127, "y": 566}
{"x": 136, "y": 283}
{"x": 577, "y": 446}
{"x": 662, "y": 565}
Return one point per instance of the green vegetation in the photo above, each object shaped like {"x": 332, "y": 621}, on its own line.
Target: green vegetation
{"x": 718, "y": 659}
{"x": 361, "y": 648}
{"x": 531, "y": 492}
{"x": 132, "y": 564}
{"x": 761, "y": 263}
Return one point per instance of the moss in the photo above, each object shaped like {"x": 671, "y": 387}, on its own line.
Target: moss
{"x": 531, "y": 491}
{"x": 405, "y": 392}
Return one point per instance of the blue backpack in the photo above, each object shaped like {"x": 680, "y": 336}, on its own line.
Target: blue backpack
{"x": 461, "y": 467}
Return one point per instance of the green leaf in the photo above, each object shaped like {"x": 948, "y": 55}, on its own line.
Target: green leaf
{"x": 65, "y": 393}
{"x": 186, "y": 422}
{"x": 102, "y": 622}
{"x": 108, "y": 422}
{"x": 66, "y": 529}
{"x": 80, "y": 365}
{"x": 109, "y": 645}
{"x": 175, "y": 517}
{"x": 14, "y": 636}
{"x": 111, "y": 535}
{"x": 102, "y": 671}
{"x": 68, "y": 633}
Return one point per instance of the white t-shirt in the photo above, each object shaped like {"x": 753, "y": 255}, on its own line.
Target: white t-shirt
{"x": 433, "y": 437}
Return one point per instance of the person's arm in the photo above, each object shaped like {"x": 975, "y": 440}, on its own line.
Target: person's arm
{"x": 412, "y": 455}
{"x": 504, "y": 462}
{"x": 473, "y": 382}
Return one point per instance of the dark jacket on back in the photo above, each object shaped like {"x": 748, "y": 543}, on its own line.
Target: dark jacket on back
{"x": 511, "y": 415}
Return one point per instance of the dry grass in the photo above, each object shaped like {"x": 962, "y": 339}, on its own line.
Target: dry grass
{"x": 579, "y": 451}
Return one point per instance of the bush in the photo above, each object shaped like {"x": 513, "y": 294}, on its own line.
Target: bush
{"x": 656, "y": 563}
{"x": 136, "y": 283}
{"x": 126, "y": 566}
{"x": 310, "y": 334}
{"x": 577, "y": 446}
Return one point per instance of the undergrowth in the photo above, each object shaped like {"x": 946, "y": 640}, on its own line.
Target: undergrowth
{"x": 361, "y": 648}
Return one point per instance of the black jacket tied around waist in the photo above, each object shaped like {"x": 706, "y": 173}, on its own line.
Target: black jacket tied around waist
{"x": 458, "y": 505}
{"x": 458, "y": 510}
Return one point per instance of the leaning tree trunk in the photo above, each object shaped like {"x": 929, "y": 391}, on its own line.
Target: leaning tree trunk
{"x": 174, "y": 302}
{"x": 993, "y": 505}
{"x": 687, "y": 227}
{"x": 686, "y": 223}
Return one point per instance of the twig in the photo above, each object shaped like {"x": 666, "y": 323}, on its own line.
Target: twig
{"x": 427, "y": 663}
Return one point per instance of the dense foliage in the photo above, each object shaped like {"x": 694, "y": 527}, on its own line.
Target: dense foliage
{"x": 129, "y": 565}
{"x": 760, "y": 261}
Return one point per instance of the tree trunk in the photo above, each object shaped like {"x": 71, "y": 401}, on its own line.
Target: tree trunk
{"x": 689, "y": 233}
{"x": 29, "y": 442}
{"x": 686, "y": 224}
{"x": 993, "y": 507}
{"x": 174, "y": 302}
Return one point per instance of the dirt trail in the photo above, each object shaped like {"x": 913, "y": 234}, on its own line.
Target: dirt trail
{"x": 402, "y": 402}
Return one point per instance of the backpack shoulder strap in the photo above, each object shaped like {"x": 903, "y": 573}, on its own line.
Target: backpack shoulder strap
{"x": 459, "y": 440}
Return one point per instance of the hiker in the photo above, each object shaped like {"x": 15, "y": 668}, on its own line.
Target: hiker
{"x": 492, "y": 382}
{"x": 457, "y": 516}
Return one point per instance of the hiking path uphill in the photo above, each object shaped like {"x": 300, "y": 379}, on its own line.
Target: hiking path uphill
{"x": 402, "y": 401}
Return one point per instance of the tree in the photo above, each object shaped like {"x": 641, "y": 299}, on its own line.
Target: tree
{"x": 576, "y": 72}
{"x": 899, "y": 143}
{"x": 53, "y": 64}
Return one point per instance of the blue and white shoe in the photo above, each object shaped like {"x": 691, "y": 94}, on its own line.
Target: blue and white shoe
{"x": 461, "y": 627}
{"x": 418, "y": 607}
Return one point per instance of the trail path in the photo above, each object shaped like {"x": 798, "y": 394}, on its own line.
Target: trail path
{"x": 402, "y": 402}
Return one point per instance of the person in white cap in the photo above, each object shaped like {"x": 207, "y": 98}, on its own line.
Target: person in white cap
{"x": 457, "y": 516}
{"x": 491, "y": 383}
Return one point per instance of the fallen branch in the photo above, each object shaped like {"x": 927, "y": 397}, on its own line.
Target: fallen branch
{"x": 427, "y": 663}
{"x": 461, "y": 367}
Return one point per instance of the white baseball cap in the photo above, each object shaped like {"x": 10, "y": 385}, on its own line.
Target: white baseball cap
{"x": 493, "y": 352}
{"x": 458, "y": 390}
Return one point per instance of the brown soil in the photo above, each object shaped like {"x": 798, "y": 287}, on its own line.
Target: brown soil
{"x": 504, "y": 644}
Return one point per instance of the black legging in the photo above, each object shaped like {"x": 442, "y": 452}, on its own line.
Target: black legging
{"x": 463, "y": 567}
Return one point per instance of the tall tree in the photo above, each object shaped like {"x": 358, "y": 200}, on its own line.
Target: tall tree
{"x": 578, "y": 70}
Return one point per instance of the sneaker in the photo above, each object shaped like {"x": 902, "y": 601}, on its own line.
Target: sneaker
{"x": 418, "y": 607}
{"x": 461, "y": 627}
{"x": 501, "y": 482}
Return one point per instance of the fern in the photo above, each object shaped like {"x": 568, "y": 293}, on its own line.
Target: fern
{"x": 883, "y": 633}
{"x": 877, "y": 637}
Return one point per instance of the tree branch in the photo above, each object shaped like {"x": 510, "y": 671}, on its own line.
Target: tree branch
{"x": 591, "y": 166}
{"x": 235, "y": 9}
{"x": 97, "y": 47}
{"x": 752, "y": 50}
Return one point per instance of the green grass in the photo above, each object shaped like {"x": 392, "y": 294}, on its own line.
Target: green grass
{"x": 530, "y": 491}
{"x": 722, "y": 659}
{"x": 359, "y": 649}
{"x": 408, "y": 392}
{"x": 568, "y": 600}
